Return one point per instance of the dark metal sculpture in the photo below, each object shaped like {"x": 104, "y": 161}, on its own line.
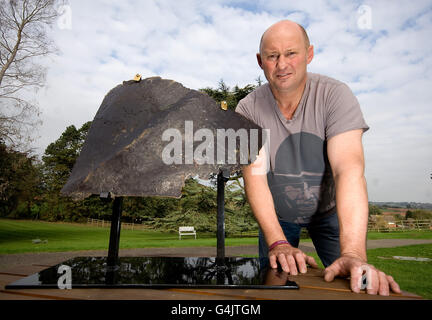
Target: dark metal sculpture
{"x": 123, "y": 152}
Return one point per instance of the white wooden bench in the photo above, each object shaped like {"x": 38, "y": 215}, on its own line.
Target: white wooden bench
{"x": 186, "y": 231}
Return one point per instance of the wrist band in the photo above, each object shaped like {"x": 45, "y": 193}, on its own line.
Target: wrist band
{"x": 276, "y": 243}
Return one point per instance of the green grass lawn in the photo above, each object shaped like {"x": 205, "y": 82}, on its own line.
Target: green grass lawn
{"x": 422, "y": 234}
{"x": 412, "y": 276}
{"x": 16, "y": 237}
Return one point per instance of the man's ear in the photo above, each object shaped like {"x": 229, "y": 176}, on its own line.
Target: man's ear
{"x": 259, "y": 60}
{"x": 310, "y": 54}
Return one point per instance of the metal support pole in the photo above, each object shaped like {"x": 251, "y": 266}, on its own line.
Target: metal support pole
{"x": 222, "y": 178}
{"x": 115, "y": 232}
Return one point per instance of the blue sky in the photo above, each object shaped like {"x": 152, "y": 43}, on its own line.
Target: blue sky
{"x": 384, "y": 55}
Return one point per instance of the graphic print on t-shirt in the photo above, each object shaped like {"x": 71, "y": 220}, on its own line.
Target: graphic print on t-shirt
{"x": 296, "y": 183}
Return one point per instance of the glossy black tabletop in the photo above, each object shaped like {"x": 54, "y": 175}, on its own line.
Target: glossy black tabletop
{"x": 158, "y": 272}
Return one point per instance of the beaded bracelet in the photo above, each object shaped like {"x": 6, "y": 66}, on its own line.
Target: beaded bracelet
{"x": 276, "y": 243}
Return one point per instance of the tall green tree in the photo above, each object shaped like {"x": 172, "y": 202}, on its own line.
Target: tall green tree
{"x": 198, "y": 207}
{"x": 19, "y": 182}
{"x": 58, "y": 161}
{"x": 60, "y": 156}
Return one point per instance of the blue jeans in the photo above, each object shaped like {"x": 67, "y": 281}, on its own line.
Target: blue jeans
{"x": 324, "y": 233}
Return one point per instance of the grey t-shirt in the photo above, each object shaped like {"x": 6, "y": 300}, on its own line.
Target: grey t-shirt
{"x": 300, "y": 178}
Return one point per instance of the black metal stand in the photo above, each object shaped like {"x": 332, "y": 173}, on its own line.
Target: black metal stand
{"x": 222, "y": 178}
{"x": 114, "y": 241}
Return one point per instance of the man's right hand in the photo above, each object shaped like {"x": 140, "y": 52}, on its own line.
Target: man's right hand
{"x": 262, "y": 204}
{"x": 291, "y": 259}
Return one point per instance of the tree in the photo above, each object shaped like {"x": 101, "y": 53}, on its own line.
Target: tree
{"x": 58, "y": 161}
{"x": 198, "y": 207}
{"x": 19, "y": 182}
{"x": 224, "y": 93}
{"x": 23, "y": 39}
{"x": 418, "y": 214}
{"x": 374, "y": 210}
{"x": 60, "y": 156}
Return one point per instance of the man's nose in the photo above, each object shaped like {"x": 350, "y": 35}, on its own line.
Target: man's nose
{"x": 282, "y": 62}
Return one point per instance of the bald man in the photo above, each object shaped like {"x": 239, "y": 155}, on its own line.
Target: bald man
{"x": 314, "y": 176}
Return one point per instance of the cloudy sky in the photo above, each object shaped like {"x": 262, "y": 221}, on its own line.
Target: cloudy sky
{"x": 381, "y": 49}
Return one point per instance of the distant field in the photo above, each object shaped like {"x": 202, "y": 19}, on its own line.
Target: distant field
{"x": 16, "y": 237}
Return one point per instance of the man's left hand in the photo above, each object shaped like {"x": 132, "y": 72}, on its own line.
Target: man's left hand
{"x": 377, "y": 281}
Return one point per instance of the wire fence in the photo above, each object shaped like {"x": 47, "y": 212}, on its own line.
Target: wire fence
{"x": 400, "y": 225}
{"x": 381, "y": 226}
{"x": 107, "y": 224}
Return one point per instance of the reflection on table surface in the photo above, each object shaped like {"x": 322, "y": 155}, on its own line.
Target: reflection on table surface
{"x": 209, "y": 272}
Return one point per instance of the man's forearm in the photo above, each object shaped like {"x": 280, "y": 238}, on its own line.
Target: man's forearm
{"x": 352, "y": 207}
{"x": 261, "y": 202}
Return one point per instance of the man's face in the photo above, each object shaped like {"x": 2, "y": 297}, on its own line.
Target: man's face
{"x": 284, "y": 58}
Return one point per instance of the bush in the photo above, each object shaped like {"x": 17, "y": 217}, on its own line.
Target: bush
{"x": 374, "y": 210}
{"x": 419, "y": 214}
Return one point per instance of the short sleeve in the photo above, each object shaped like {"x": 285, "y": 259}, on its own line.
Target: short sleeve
{"x": 343, "y": 112}
{"x": 244, "y": 110}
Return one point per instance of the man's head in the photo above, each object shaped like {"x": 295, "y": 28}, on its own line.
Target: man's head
{"x": 284, "y": 54}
